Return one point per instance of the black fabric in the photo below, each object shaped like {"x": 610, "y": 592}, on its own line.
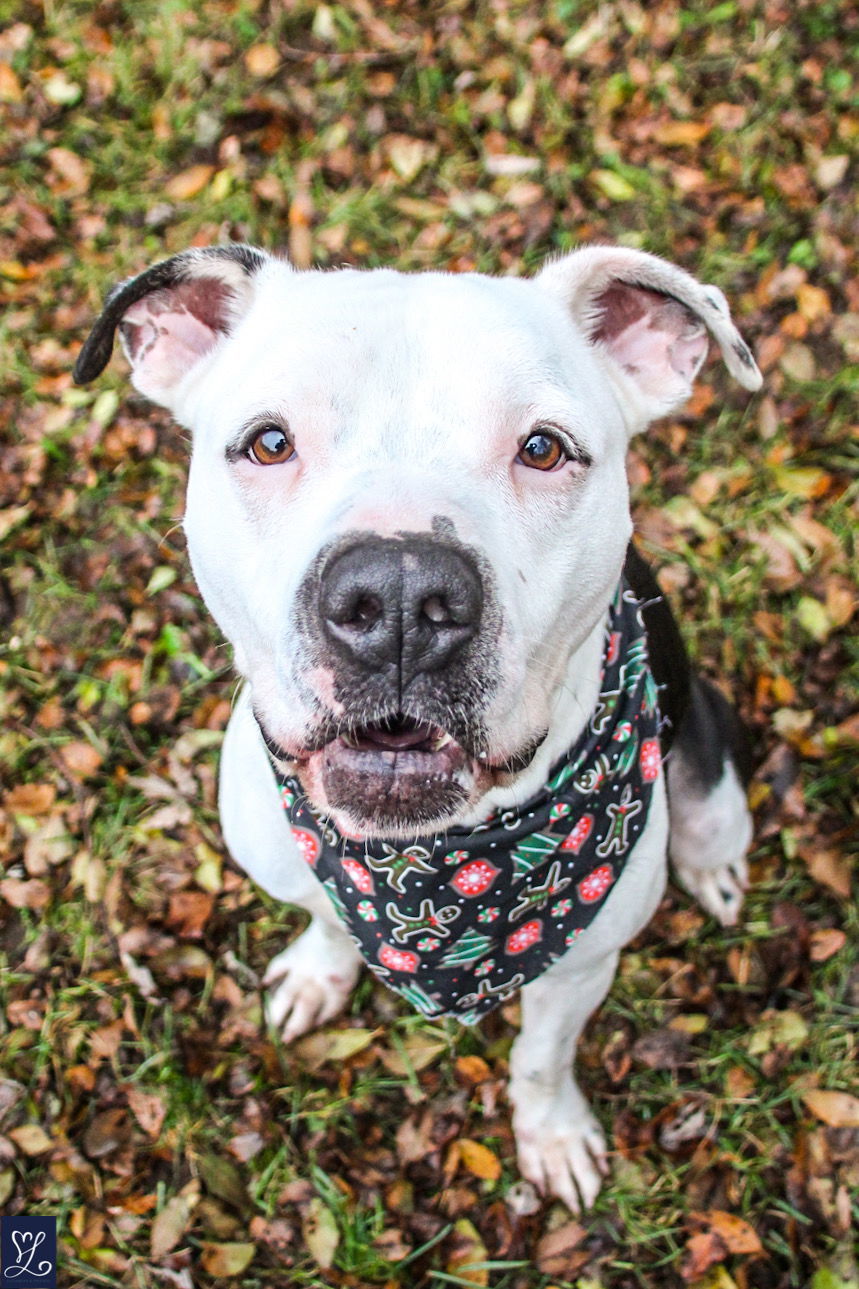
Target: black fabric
{"x": 669, "y": 661}
{"x": 459, "y": 921}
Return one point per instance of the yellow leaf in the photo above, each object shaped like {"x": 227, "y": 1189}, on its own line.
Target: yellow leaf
{"x": 227, "y": 1259}
{"x": 190, "y": 183}
{"x": 10, "y": 86}
{"x": 320, "y": 1232}
{"x": 262, "y": 60}
{"x": 31, "y": 1139}
{"x": 681, "y": 133}
{"x": 467, "y": 1254}
{"x": 170, "y": 1225}
{"x": 838, "y": 1109}
{"x": 479, "y": 1159}
{"x": 419, "y": 1051}
{"x": 612, "y": 185}
{"x": 778, "y": 1029}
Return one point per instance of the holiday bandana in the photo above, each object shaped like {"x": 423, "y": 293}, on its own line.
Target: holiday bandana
{"x": 460, "y": 921}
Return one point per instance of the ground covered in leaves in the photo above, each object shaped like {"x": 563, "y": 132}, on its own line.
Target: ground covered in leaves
{"x": 141, "y": 1100}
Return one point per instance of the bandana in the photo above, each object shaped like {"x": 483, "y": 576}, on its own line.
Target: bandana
{"x": 458, "y": 922}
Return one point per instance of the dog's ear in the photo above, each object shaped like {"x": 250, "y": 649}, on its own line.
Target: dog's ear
{"x": 649, "y": 319}
{"x": 172, "y": 314}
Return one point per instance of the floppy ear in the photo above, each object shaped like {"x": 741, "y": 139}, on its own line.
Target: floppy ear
{"x": 649, "y": 320}
{"x": 171, "y": 315}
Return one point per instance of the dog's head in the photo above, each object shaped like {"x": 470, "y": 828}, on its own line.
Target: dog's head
{"x": 407, "y": 505}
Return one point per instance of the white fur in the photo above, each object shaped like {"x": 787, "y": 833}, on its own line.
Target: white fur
{"x": 408, "y": 398}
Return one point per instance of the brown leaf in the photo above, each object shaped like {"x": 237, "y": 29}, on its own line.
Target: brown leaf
{"x": 169, "y": 1226}
{"x": 473, "y": 1069}
{"x": 190, "y": 183}
{"x": 479, "y": 1159}
{"x": 72, "y": 172}
{"x": 555, "y": 1250}
{"x": 321, "y": 1234}
{"x": 662, "y": 1049}
{"x": 838, "y": 1109}
{"x": 827, "y": 866}
{"x": 80, "y": 759}
{"x": 189, "y": 911}
{"x": 25, "y": 895}
{"x": 148, "y": 1108}
{"x": 108, "y": 1131}
{"x": 50, "y": 844}
{"x": 262, "y": 60}
{"x": 30, "y": 798}
{"x": 105, "y": 1041}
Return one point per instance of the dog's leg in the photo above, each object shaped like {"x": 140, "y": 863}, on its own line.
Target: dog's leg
{"x": 560, "y": 1145}
{"x": 710, "y": 823}
{"x": 311, "y": 980}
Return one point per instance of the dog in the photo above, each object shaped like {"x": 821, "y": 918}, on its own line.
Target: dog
{"x": 408, "y": 512}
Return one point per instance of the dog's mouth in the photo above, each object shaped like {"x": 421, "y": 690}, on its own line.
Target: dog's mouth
{"x": 396, "y": 773}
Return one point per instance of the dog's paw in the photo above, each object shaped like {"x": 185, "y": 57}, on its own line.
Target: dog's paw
{"x": 719, "y": 891}
{"x": 310, "y": 982}
{"x": 561, "y": 1149}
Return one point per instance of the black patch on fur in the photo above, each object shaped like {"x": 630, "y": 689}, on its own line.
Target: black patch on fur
{"x": 97, "y": 348}
{"x": 668, "y": 659}
{"x": 711, "y": 733}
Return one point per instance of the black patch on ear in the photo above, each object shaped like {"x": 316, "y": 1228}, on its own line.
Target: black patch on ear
{"x": 97, "y": 348}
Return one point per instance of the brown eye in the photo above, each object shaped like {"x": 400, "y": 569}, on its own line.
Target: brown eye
{"x": 271, "y": 445}
{"x": 542, "y": 451}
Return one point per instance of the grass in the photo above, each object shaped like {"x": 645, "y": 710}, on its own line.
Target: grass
{"x": 108, "y": 649}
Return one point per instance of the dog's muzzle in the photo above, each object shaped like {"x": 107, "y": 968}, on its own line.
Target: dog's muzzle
{"x": 399, "y": 624}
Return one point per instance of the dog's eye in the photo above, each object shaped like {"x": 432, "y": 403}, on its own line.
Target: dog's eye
{"x": 271, "y": 445}
{"x": 542, "y": 450}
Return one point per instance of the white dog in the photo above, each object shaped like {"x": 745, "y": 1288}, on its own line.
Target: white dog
{"x": 408, "y": 512}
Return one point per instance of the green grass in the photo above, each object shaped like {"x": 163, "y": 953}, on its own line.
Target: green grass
{"x": 101, "y": 650}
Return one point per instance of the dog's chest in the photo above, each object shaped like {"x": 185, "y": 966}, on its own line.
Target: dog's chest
{"x": 459, "y": 921}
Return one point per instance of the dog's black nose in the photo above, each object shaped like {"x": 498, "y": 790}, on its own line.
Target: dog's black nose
{"x": 413, "y": 602}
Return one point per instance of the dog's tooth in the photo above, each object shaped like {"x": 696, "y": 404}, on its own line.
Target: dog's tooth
{"x": 440, "y": 742}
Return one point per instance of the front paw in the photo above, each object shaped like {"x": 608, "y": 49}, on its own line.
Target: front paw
{"x": 310, "y": 982}
{"x": 560, "y": 1146}
{"x": 720, "y": 890}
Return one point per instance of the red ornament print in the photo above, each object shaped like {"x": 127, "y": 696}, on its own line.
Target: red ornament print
{"x": 361, "y": 879}
{"x": 613, "y": 648}
{"x": 579, "y": 835}
{"x": 651, "y": 759}
{"x": 398, "y": 959}
{"x": 594, "y": 886}
{"x": 474, "y": 878}
{"x": 308, "y": 844}
{"x": 524, "y": 937}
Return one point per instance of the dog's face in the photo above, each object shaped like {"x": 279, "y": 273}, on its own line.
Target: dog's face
{"x": 407, "y": 506}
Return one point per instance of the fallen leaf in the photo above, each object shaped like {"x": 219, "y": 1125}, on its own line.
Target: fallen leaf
{"x": 148, "y": 1108}
{"x": 473, "y": 1069}
{"x": 226, "y": 1259}
{"x": 554, "y": 1250}
{"x": 479, "y": 1159}
{"x": 419, "y": 1051}
{"x": 190, "y": 183}
{"x": 169, "y": 1226}
{"x": 80, "y": 759}
{"x": 320, "y": 1231}
{"x": 30, "y": 798}
{"x": 30, "y": 1139}
{"x": 108, "y": 1131}
{"x": 262, "y": 60}
{"x": 467, "y": 1253}
{"x": 778, "y": 1029}
{"x": 49, "y": 845}
{"x": 825, "y": 943}
{"x": 34, "y": 894}
{"x": 837, "y": 1109}
{"x": 332, "y": 1045}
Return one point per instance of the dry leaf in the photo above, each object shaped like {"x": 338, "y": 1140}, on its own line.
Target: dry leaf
{"x": 479, "y": 1159}
{"x": 262, "y": 60}
{"x": 169, "y": 1226}
{"x": 148, "y": 1108}
{"x": 825, "y": 943}
{"x": 321, "y": 1235}
{"x": 419, "y": 1051}
{"x": 30, "y": 798}
{"x": 190, "y": 183}
{"x": 226, "y": 1259}
{"x": 467, "y": 1252}
{"x": 31, "y": 1139}
{"x": 557, "y": 1249}
{"x": 80, "y": 759}
{"x": 838, "y": 1109}
{"x": 34, "y": 894}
